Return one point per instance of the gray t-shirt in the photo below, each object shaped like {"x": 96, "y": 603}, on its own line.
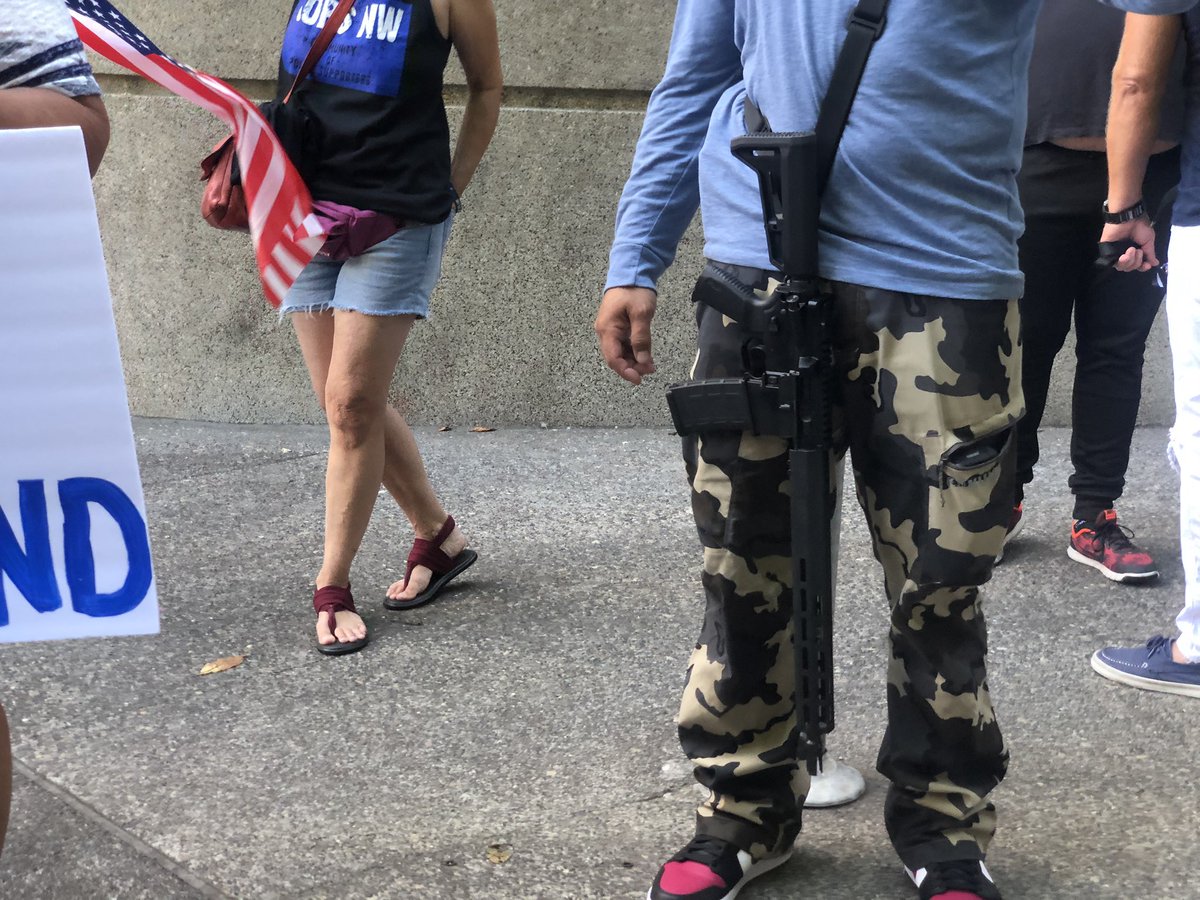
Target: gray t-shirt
{"x": 39, "y": 48}
{"x": 1070, "y": 75}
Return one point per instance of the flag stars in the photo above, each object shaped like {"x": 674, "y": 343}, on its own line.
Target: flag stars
{"x": 104, "y": 13}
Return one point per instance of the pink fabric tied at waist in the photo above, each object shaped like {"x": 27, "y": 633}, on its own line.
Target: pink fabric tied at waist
{"x": 351, "y": 231}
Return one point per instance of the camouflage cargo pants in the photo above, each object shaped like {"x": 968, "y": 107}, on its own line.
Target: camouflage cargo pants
{"x": 922, "y": 385}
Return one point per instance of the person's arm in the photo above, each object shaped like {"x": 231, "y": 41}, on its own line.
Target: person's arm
{"x": 38, "y": 107}
{"x": 1152, "y": 7}
{"x": 663, "y": 190}
{"x": 473, "y": 31}
{"x": 1139, "y": 81}
{"x": 45, "y": 78}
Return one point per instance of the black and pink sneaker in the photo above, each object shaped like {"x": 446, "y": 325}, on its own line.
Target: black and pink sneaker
{"x": 710, "y": 868}
{"x": 959, "y": 879}
{"x": 1105, "y": 545}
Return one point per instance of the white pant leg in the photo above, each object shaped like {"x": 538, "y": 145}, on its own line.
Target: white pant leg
{"x": 1183, "y": 314}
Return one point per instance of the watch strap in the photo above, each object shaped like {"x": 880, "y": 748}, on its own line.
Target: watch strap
{"x": 1137, "y": 211}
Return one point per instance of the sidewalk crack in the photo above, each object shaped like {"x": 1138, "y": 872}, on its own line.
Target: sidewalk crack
{"x": 665, "y": 792}
{"x": 126, "y": 837}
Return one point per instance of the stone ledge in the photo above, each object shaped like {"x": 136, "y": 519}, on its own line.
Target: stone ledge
{"x": 619, "y": 45}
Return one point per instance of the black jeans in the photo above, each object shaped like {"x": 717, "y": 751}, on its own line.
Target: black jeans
{"x": 1062, "y": 192}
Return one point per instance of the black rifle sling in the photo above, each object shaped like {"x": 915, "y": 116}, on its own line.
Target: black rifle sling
{"x": 866, "y": 25}
{"x": 863, "y": 29}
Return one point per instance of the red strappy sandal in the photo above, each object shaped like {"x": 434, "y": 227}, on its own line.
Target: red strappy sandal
{"x": 444, "y": 568}
{"x": 333, "y": 599}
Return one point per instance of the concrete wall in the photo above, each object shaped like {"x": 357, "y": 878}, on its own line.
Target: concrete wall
{"x": 510, "y": 340}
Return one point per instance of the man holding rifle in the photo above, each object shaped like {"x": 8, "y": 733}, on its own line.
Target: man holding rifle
{"x": 917, "y": 252}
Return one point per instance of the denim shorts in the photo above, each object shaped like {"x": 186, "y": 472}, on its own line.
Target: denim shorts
{"x": 396, "y": 277}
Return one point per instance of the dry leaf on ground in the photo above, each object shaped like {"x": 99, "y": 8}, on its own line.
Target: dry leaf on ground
{"x": 482, "y": 429}
{"x": 446, "y": 428}
{"x": 499, "y": 853}
{"x": 222, "y": 665}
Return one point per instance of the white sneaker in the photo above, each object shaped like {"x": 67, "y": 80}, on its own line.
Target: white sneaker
{"x": 835, "y": 784}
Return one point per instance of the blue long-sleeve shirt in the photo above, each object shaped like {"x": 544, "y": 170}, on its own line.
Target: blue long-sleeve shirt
{"x": 922, "y": 197}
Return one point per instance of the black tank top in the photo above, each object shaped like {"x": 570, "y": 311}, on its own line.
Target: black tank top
{"x": 377, "y": 93}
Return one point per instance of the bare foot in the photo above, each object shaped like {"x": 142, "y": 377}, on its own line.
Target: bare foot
{"x": 421, "y": 576}
{"x": 350, "y": 627}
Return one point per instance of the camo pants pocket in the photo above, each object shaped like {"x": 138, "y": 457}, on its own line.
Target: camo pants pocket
{"x": 970, "y": 506}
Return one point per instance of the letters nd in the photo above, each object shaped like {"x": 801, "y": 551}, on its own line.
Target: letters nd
{"x": 31, "y": 568}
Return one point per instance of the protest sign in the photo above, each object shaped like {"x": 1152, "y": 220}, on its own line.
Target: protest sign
{"x": 74, "y": 550}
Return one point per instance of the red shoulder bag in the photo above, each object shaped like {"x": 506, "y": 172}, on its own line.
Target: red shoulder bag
{"x": 223, "y": 203}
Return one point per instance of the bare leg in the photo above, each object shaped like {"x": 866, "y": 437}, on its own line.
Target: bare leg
{"x": 404, "y": 477}
{"x": 404, "y": 473}
{"x": 351, "y": 359}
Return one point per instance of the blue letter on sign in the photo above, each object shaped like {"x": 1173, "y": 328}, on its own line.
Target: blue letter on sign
{"x": 33, "y": 570}
{"x": 75, "y": 495}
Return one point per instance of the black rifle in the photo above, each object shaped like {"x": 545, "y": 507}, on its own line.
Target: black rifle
{"x": 788, "y": 361}
{"x": 785, "y": 392}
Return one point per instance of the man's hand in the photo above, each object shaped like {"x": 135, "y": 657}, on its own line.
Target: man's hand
{"x": 623, "y": 326}
{"x": 1140, "y": 232}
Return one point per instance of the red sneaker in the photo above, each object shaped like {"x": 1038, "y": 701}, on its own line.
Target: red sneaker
{"x": 710, "y": 868}
{"x": 960, "y": 879}
{"x": 1106, "y": 546}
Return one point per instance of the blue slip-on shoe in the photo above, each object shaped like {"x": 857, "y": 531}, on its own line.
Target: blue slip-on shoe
{"x": 1150, "y": 668}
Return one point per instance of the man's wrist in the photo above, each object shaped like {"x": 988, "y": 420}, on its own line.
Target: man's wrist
{"x": 1126, "y": 214}
{"x": 620, "y": 276}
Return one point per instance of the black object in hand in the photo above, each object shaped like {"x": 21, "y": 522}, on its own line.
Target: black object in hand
{"x": 1112, "y": 251}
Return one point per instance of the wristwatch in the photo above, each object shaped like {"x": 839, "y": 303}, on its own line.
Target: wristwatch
{"x": 1137, "y": 211}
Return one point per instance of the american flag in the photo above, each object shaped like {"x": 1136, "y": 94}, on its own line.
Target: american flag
{"x": 285, "y": 232}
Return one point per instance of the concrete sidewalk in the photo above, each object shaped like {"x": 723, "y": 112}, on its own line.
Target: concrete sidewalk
{"x": 531, "y": 707}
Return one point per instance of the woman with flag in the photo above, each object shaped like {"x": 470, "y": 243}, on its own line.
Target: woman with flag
{"x": 374, "y": 99}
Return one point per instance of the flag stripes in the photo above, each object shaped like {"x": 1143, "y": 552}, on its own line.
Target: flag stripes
{"x": 286, "y": 235}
